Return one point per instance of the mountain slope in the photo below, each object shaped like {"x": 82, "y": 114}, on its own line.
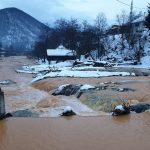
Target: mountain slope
{"x": 18, "y": 30}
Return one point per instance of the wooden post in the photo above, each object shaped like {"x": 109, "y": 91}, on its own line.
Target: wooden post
{"x": 2, "y": 103}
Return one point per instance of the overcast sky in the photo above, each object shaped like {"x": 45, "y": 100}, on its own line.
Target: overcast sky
{"x": 50, "y": 10}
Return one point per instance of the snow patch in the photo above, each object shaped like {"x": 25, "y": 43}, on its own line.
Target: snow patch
{"x": 87, "y": 87}
{"x": 83, "y": 74}
{"x": 67, "y": 109}
{"x": 119, "y": 107}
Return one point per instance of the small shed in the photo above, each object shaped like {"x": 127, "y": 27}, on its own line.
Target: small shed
{"x": 60, "y": 54}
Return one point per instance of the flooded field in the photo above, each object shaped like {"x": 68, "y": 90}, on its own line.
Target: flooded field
{"x": 8, "y": 66}
{"x": 140, "y": 85}
{"x": 102, "y": 132}
{"x": 77, "y": 133}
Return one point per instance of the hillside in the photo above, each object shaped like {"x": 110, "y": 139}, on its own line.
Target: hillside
{"x": 19, "y": 31}
{"x": 125, "y": 54}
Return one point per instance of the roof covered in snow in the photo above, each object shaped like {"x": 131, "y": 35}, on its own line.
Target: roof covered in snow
{"x": 59, "y": 51}
{"x": 140, "y": 19}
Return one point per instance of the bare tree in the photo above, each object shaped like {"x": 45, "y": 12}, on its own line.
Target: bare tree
{"x": 100, "y": 24}
{"x": 66, "y": 32}
{"x": 72, "y": 34}
{"x": 60, "y": 31}
{"x": 122, "y": 20}
{"x": 87, "y": 39}
{"x": 130, "y": 32}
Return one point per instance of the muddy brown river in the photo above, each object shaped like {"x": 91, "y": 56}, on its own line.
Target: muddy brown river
{"x": 77, "y": 133}
{"x": 131, "y": 132}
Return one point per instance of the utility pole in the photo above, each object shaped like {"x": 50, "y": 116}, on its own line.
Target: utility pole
{"x": 130, "y": 25}
{"x": 131, "y": 11}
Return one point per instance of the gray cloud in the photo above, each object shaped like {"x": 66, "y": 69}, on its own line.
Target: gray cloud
{"x": 49, "y": 10}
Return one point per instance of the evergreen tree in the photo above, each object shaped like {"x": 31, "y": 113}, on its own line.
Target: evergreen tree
{"x": 147, "y": 20}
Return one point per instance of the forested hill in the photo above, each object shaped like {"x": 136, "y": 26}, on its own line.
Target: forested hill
{"x": 18, "y": 31}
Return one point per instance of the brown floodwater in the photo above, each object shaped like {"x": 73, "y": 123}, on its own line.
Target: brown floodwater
{"x": 77, "y": 133}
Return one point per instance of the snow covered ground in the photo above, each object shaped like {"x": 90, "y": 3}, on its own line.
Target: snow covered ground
{"x": 88, "y": 69}
{"x": 82, "y": 74}
{"x": 66, "y": 69}
{"x": 120, "y": 54}
{"x": 145, "y": 64}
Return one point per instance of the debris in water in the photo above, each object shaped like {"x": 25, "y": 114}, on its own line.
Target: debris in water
{"x": 122, "y": 89}
{"x": 6, "y": 82}
{"x": 121, "y": 110}
{"x": 71, "y": 89}
{"x": 24, "y": 113}
{"x": 139, "y": 108}
{"x": 5, "y": 116}
{"x": 68, "y": 89}
{"x": 68, "y": 112}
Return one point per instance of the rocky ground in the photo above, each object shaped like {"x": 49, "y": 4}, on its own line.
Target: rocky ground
{"x": 36, "y": 98}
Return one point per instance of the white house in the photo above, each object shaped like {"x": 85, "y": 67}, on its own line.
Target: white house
{"x": 138, "y": 24}
{"x": 60, "y": 54}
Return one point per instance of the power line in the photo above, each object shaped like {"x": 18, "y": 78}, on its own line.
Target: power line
{"x": 122, "y": 3}
{"x": 129, "y": 5}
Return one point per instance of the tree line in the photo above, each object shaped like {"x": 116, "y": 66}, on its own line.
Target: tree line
{"x": 84, "y": 37}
